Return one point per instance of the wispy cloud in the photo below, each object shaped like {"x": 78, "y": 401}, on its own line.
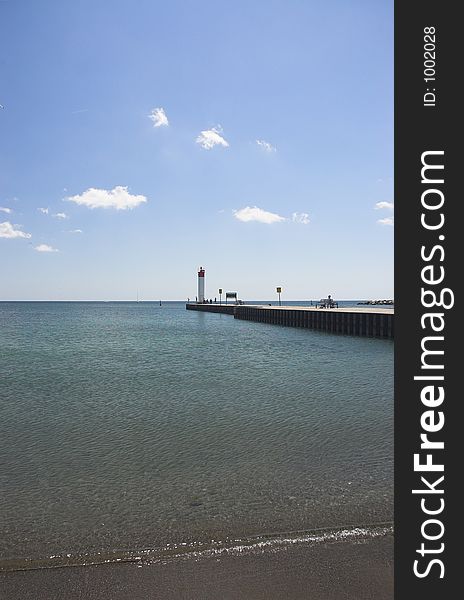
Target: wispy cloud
{"x": 45, "y": 248}
{"x": 266, "y": 146}
{"x": 302, "y": 218}
{"x": 386, "y": 221}
{"x": 74, "y": 231}
{"x": 118, "y": 198}
{"x": 58, "y": 215}
{"x": 253, "y": 213}
{"x": 389, "y": 221}
{"x": 384, "y": 205}
{"x": 212, "y": 137}
{"x": 159, "y": 118}
{"x": 6, "y": 210}
{"x": 10, "y": 231}
{"x": 79, "y": 110}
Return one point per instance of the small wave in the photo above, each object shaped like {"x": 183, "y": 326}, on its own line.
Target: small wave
{"x": 198, "y": 550}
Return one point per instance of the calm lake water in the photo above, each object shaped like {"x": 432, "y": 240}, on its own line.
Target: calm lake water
{"x": 129, "y": 425}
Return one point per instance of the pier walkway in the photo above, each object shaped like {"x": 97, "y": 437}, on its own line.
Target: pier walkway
{"x": 370, "y": 322}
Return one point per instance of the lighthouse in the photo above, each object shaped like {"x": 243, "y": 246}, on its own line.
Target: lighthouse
{"x": 201, "y": 285}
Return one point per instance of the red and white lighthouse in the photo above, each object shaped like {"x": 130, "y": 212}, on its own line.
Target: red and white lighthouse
{"x": 201, "y": 285}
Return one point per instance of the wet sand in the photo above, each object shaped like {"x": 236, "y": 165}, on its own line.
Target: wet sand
{"x": 340, "y": 570}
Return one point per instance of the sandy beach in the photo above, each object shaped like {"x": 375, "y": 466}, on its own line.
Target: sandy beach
{"x": 333, "y": 571}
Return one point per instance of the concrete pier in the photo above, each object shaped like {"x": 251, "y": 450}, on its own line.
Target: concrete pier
{"x": 227, "y": 309}
{"x": 376, "y": 322}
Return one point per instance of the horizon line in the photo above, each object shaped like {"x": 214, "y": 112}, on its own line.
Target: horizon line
{"x": 194, "y": 302}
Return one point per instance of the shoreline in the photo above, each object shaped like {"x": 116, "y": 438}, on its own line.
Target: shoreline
{"x": 199, "y": 549}
{"x": 360, "y": 569}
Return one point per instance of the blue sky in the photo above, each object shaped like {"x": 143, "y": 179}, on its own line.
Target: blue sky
{"x": 133, "y": 203}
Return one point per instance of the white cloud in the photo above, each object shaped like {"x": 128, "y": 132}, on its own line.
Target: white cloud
{"x": 46, "y": 211}
{"x": 75, "y": 231}
{"x": 211, "y": 137}
{"x": 253, "y": 213}
{"x": 386, "y": 221}
{"x": 159, "y": 118}
{"x": 118, "y": 198}
{"x": 302, "y": 218}
{"x": 382, "y": 205}
{"x": 7, "y": 230}
{"x": 6, "y": 210}
{"x": 266, "y": 146}
{"x": 45, "y": 248}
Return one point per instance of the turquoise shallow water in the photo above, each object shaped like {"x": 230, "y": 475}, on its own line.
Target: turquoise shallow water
{"x": 130, "y": 425}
